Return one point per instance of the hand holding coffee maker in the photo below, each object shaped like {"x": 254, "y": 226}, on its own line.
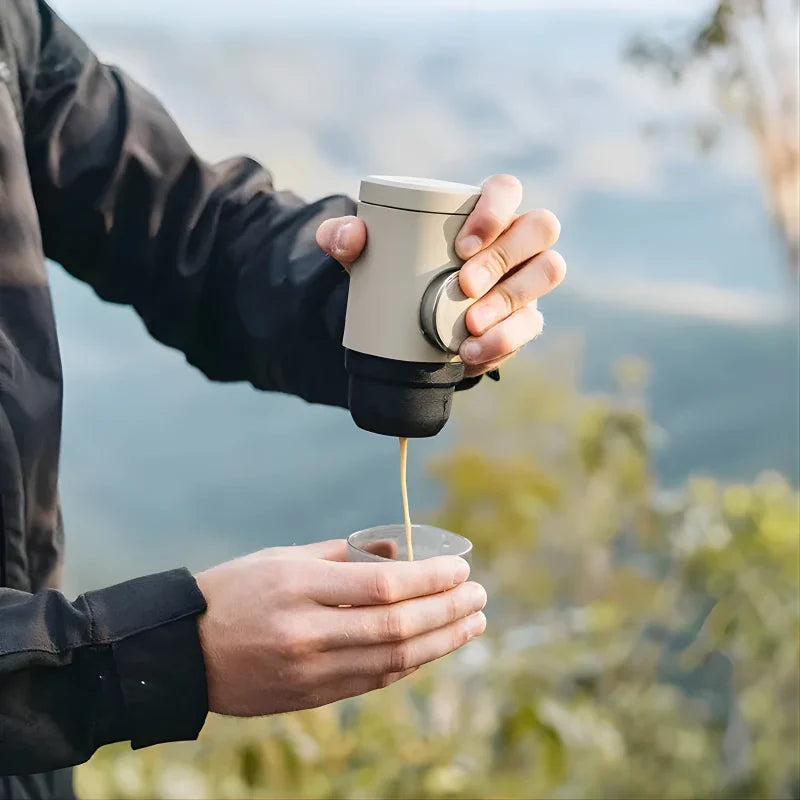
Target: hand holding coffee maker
{"x": 507, "y": 266}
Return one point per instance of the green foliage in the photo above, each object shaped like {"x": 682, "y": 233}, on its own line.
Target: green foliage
{"x": 641, "y": 643}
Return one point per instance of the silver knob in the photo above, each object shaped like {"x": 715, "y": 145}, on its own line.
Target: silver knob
{"x": 442, "y": 312}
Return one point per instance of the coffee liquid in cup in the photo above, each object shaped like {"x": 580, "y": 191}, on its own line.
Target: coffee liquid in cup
{"x": 404, "y": 494}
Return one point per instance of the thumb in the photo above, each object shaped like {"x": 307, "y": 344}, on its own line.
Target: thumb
{"x": 343, "y": 238}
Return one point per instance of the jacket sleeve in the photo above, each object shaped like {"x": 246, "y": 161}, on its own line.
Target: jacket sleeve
{"x": 215, "y": 261}
{"x": 122, "y": 663}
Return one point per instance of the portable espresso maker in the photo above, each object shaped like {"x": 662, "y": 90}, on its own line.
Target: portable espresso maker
{"x": 405, "y": 308}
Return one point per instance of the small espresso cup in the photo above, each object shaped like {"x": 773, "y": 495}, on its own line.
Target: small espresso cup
{"x": 388, "y": 543}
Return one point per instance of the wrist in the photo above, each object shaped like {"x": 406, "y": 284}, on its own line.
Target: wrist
{"x": 207, "y": 640}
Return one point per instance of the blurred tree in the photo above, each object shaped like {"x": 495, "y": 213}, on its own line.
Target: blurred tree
{"x": 747, "y": 53}
{"x": 641, "y": 643}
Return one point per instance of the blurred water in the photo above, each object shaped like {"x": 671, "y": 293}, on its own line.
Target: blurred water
{"x": 671, "y": 256}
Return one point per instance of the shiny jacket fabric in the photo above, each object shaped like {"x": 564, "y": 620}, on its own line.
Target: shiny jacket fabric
{"x": 96, "y": 176}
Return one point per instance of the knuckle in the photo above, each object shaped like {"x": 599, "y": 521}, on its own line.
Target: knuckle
{"x": 399, "y": 657}
{"x": 554, "y": 267}
{"x": 458, "y": 638}
{"x": 383, "y": 590}
{"x": 463, "y": 635}
{"x": 394, "y": 626}
{"x": 488, "y": 225}
{"x": 498, "y": 260}
{"x": 293, "y": 583}
{"x": 296, "y": 644}
{"x": 308, "y": 642}
{"x": 436, "y": 579}
{"x": 283, "y": 645}
{"x": 384, "y": 680}
{"x": 453, "y": 607}
{"x": 505, "y": 298}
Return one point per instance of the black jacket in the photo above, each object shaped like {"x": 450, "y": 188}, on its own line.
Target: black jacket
{"x": 96, "y": 176}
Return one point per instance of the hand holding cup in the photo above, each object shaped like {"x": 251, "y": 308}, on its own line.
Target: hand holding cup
{"x": 289, "y": 628}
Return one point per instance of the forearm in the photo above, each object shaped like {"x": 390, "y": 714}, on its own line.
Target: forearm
{"x": 122, "y": 663}
{"x": 216, "y": 262}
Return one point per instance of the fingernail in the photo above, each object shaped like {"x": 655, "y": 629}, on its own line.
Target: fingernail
{"x": 471, "y": 351}
{"x": 468, "y": 246}
{"x": 461, "y": 572}
{"x": 340, "y": 239}
{"x": 477, "y": 624}
{"x": 483, "y": 317}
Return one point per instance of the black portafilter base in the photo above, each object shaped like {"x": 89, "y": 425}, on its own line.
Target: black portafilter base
{"x": 400, "y": 398}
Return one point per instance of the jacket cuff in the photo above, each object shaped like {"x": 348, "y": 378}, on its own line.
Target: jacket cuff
{"x": 150, "y": 624}
{"x": 468, "y": 383}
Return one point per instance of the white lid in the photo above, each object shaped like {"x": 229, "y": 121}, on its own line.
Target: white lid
{"x": 419, "y": 194}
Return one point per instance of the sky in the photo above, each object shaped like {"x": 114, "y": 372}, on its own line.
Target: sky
{"x": 192, "y": 11}
{"x": 343, "y": 5}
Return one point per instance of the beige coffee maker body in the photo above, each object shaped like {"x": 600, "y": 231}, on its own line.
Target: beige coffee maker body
{"x": 405, "y": 309}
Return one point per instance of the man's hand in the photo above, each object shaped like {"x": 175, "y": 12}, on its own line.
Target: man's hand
{"x": 297, "y": 627}
{"x": 508, "y": 265}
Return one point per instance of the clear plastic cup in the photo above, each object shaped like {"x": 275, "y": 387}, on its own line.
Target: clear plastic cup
{"x": 388, "y": 543}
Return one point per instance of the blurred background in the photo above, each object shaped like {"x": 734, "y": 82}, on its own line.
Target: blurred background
{"x": 630, "y": 485}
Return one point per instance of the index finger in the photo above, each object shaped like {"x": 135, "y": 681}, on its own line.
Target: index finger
{"x": 330, "y": 550}
{"x": 493, "y": 213}
{"x": 382, "y": 583}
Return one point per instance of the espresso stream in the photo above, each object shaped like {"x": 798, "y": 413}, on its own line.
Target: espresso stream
{"x": 404, "y": 493}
